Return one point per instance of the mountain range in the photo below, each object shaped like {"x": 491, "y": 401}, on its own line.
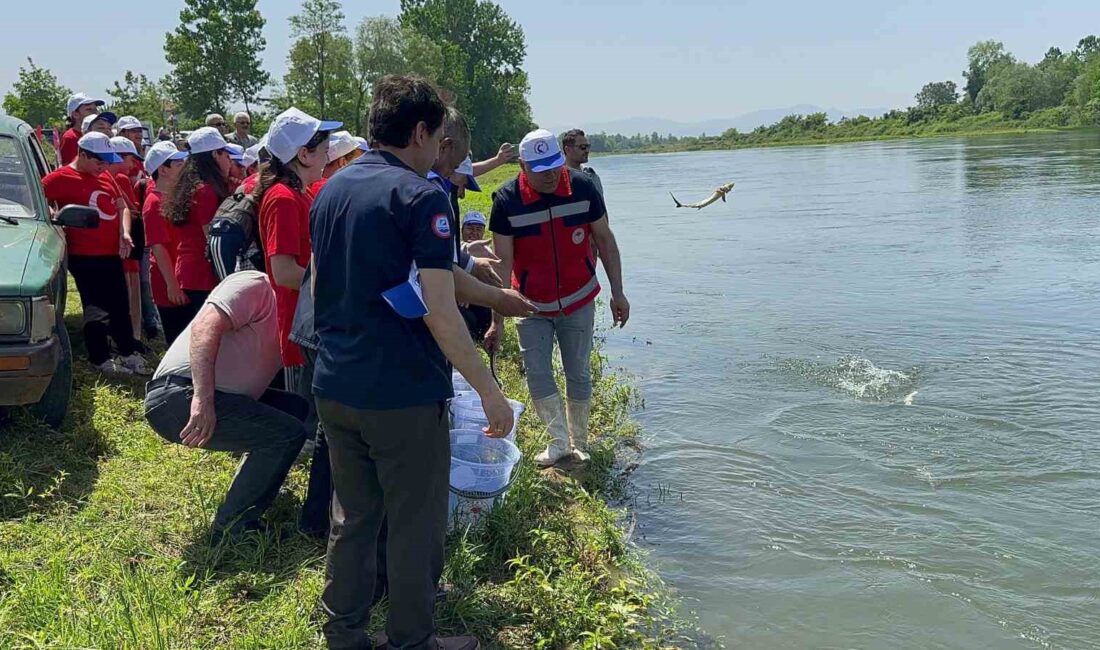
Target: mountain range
{"x": 746, "y": 122}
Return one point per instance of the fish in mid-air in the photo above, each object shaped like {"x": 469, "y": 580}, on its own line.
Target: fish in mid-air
{"x": 719, "y": 193}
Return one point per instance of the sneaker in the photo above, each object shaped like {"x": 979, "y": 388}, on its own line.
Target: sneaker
{"x": 112, "y": 367}
{"x": 135, "y": 364}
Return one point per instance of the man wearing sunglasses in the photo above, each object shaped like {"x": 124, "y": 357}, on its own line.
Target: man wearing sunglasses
{"x": 240, "y": 135}
{"x": 575, "y": 146}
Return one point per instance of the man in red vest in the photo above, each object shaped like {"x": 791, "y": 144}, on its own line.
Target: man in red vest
{"x": 544, "y": 223}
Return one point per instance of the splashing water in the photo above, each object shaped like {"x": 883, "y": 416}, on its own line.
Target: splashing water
{"x": 858, "y": 377}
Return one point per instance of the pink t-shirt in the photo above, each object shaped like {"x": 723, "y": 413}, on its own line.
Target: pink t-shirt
{"x": 248, "y": 356}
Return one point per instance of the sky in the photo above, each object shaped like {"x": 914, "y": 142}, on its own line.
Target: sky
{"x": 598, "y": 60}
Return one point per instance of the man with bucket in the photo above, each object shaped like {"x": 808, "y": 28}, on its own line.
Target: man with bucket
{"x": 544, "y": 223}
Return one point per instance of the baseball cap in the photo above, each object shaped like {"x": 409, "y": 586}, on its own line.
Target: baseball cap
{"x": 107, "y": 116}
{"x": 466, "y": 168}
{"x": 293, "y": 129}
{"x": 540, "y": 150}
{"x": 236, "y": 152}
{"x": 99, "y": 146}
{"x": 473, "y": 217}
{"x": 122, "y": 145}
{"x": 127, "y": 122}
{"x": 341, "y": 143}
{"x": 205, "y": 139}
{"x": 160, "y": 153}
{"x": 79, "y": 99}
{"x": 363, "y": 144}
{"x": 251, "y": 155}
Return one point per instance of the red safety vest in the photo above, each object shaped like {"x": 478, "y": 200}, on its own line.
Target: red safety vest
{"x": 552, "y": 254}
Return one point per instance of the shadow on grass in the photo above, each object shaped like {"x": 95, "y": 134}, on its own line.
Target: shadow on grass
{"x": 41, "y": 467}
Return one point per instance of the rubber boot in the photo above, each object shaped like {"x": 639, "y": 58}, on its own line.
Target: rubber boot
{"x": 578, "y": 411}
{"x": 552, "y": 414}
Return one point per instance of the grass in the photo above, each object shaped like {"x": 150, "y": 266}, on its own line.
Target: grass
{"x": 103, "y": 530}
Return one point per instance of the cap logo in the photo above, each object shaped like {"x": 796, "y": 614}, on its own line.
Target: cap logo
{"x": 541, "y": 147}
{"x": 441, "y": 226}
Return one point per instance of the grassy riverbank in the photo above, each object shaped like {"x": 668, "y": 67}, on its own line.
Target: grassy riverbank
{"x": 103, "y": 531}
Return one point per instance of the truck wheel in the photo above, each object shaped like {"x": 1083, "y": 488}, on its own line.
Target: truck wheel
{"x": 55, "y": 401}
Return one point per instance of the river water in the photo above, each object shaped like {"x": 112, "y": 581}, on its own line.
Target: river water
{"x": 871, "y": 389}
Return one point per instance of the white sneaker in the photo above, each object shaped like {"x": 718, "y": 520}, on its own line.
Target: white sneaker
{"x": 112, "y": 367}
{"x": 135, "y": 364}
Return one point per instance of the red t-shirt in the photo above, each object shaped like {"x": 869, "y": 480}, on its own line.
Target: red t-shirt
{"x": 123, "y": 188}
{"x": 284, "y": 230}
{"x": 316, "y": 187}
{"x": 68, "y": 147}
{"x": 249, "y": 184}
{"x": 156, "y": 232}
{"x": 66, "y": 186}
{"x": 193, "y": 269}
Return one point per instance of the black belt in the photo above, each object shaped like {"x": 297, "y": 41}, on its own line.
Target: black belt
{"x": 166, "y": 381}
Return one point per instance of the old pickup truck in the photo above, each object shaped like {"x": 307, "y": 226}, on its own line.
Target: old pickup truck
{"x": 35, "y": 356}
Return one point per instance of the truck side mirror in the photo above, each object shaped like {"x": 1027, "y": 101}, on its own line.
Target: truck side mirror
{"x": 77, "y": 216}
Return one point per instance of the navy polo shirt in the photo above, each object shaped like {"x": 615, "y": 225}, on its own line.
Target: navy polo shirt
{"x": 372, "y": 221}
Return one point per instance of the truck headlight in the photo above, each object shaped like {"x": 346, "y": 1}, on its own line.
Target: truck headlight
{"x": 43, "y": 318}
{"x": 13, "y": 318}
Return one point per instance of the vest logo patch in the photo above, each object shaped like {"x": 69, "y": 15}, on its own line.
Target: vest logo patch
{"x": 578, "y": 236}
{"x": 441, "y": 226}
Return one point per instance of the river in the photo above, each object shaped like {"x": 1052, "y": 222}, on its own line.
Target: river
{"x": 871, "y": 389}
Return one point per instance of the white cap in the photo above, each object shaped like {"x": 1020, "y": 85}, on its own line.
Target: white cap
{"x": 341, "y": 143}
{"x": 161, "y": 152}
{"x": 293, "y": 129}
{"x": 236, "y": 151}
{"x": 363, "y": 144}
{"x": 127, "y": 122}
{"x": 251, "y": 155}
{"x": 79, "y": 99}
{"x": 473, "y": 217}
{"x": 122, "y": 145}
{"x": 99, "y": 145}
{"x": 206, "y": 139}
{"x": 108, "y": 116}
{"x": 466, "y": 168}
{"x": 540, "y": 150}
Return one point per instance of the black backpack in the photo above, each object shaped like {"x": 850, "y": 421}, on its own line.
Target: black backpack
{"x": 236, "y": 228}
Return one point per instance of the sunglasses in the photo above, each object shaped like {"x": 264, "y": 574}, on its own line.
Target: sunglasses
{"x": 218, "y": 125}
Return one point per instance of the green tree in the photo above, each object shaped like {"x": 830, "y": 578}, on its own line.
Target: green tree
{"x": 215, "y": 55}
{"x": 984, "y": 57}
{"x": 36, "y": 98}
{"x": 322, "y": 53}
{"x": 1017, "y": 89}
{"x": 1086, "y": 92}
{"x": 936, "y": 94}
{"x": 1087, "y": 47}
{"x": 482, "y": 57}
{"x": 138, "y": 96}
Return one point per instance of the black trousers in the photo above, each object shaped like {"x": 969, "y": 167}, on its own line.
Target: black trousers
{"x": 388, "y": 466}
{"x": 315, "y": 509}
{"x": 174, "y": 320}
{"x": 101, "y": 283}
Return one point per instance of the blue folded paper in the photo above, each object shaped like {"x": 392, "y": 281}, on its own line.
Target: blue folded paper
{"x": 407, "y": 298}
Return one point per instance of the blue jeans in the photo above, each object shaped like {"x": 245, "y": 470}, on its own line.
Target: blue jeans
{"x": 150, "y": 318}
{"x": 574, "y": 335}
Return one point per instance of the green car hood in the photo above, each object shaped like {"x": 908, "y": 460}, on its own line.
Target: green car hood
{"x": 30, "y": 256}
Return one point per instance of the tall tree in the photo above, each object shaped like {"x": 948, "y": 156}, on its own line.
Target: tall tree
{"x": 319, "y": 29}
{"x": 936, "y": 94}
{"x": 215, "y": 55}
{"x": 309, "y": 83}
{"x": 36, "y": 98}
{"x": 482, "y": 57}
{"x": 984, "y": 58}
{"x": 1087, "y": 47}
{"x": 138, "y": 96}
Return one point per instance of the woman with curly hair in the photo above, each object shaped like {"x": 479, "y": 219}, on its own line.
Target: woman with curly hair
{"x": 201, "y": 188}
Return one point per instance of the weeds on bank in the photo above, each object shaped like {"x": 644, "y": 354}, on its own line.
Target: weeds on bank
{"x": 104, "y": 529}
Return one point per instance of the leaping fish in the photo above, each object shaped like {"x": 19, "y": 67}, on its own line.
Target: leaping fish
{"x": 719, "y": 193}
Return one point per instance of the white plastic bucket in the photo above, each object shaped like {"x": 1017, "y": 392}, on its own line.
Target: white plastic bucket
{"x": 467, "y": 413}
{"x": 481, "y": 471}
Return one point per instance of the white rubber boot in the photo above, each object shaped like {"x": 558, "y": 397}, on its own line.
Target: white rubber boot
{"x": 578, "y": 411}
{"x": 552, "y": 413}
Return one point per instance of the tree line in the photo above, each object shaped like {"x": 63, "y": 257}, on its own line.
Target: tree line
{"x": 999, "y": 91}
{"x": 471, "y": 49}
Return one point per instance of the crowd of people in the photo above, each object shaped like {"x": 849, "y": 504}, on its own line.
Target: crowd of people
{"x": 316, "y": 289}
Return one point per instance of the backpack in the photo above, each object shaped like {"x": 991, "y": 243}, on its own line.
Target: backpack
{"x": 234, "y": 236}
